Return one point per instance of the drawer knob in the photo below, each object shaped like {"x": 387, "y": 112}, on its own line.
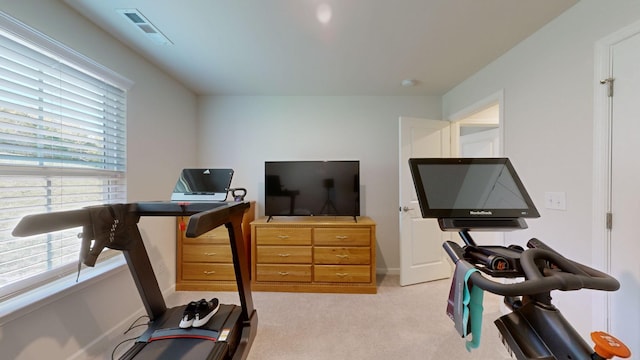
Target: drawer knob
{"x": 209, "y": 272}
{"x": 284, "y": 255}
{"x": 209, "y": 254}
{"x": 342, "y": 256}
{"x": 283, "y": 273}
{"x": 283, "y": 236}
{"x": 342, "y": 237}
{"x": 342, "y": 274}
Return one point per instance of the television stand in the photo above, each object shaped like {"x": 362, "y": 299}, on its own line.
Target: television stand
{"x": 323, "y": 254}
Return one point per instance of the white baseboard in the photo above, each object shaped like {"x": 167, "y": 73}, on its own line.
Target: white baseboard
{"x": 388, "y": 271}
{"x": 101, "y": 348}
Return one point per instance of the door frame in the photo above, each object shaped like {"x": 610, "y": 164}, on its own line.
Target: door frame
{"x": 602, "y": 129}
{"x": 457, "y": 119}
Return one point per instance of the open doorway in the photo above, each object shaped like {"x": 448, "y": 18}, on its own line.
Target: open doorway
{"x": 478, "y": 134}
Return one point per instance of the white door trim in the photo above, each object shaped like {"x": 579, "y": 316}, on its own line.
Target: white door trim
{"x": 493, "y": 99}
{"x": 602, "y": 113}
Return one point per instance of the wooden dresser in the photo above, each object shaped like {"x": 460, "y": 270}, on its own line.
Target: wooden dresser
{"x": 314, "y": 254}
{"x": 204, "y": 263}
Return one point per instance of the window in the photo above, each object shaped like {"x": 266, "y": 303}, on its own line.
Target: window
{"x": 62, "y": 147}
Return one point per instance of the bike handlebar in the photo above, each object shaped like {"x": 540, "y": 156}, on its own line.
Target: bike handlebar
{"x": 566, "y": 275}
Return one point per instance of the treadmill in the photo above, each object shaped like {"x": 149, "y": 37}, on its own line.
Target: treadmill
{"x": 231, "y": 331}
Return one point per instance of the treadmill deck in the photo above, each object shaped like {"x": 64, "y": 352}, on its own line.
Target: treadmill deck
{"x": 164, "y": 339}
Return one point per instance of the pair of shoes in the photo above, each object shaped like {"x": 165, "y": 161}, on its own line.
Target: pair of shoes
{"x": 198, "y": 313}
{"x": 205, "y": 311}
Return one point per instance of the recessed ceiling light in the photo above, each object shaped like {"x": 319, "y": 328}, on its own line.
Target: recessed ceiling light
{"x": 135, "y": 17}
{"x": 409, "y": 82}
{"x": 323, "y": 13}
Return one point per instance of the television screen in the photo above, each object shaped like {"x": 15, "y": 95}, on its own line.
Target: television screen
{"x": 470, "y": 188}
{"x": 312, "y": 188}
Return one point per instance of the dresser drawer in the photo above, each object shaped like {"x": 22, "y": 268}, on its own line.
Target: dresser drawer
{"x": 286, "y": 273}
{"x": 342, "y": 237}
{"x": 283, "y": 236}
{"x": 206, "y": 253}
{"x": 284, "y": 254}
{"x": 200, "y": 271}
{"x": 219, "y": 235}
{"x": 342, "y": 274}
{"x": 342, "y": 255}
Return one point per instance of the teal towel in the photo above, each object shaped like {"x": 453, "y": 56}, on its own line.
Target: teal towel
{"x": 472, "y": 311}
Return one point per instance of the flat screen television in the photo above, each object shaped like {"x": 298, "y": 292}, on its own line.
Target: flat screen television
{"x": 470, "y": 188}
{"x": 312, "y": 188}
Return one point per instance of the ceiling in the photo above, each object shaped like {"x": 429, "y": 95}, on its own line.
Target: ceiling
{"x": 323, "y": 47}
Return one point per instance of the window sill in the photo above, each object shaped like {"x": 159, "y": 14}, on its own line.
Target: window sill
{"x": 28, "y": 302}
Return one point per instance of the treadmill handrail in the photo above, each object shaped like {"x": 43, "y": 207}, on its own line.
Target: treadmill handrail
{"x": 43, "y": 223}
{"x": 49, "y": 222}
{"x": 205, "y": 221}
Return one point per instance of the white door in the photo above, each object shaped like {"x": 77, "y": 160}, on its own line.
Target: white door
{"x": 625, "y": 193}
{"x": 485, "y": 143}
{"x": 421, "y": 255}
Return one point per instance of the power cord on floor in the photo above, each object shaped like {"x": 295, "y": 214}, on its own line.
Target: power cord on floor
{"x": 131, "y": 327}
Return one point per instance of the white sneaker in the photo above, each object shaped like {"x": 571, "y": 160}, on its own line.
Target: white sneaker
{"x": 189, "y": 315}
{"x": 205, "y": 311}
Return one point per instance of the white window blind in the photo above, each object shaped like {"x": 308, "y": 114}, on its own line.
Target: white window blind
{"x": 62, "y": 147}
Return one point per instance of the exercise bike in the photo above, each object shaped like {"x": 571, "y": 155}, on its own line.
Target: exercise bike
{"x": 535, "y": 328}
{"x": 486, "y": 194}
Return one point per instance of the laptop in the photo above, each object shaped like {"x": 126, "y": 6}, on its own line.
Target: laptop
{"x": 202, "y": 185}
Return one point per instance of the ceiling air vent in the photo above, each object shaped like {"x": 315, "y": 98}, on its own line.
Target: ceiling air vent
{"x": 138, "y": 20}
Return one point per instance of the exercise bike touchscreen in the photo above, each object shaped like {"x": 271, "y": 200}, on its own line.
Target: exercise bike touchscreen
{"x": 466, "y": 193}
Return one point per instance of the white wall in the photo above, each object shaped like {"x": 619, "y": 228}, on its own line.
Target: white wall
{"x": 548, "y": 83}
{"x": 243, "y": 132}
{"x": 161, "y": 128}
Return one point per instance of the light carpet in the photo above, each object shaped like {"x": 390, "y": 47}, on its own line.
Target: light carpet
{"x": 396, "y": 323}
